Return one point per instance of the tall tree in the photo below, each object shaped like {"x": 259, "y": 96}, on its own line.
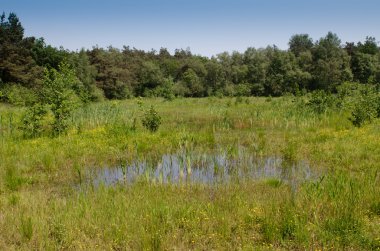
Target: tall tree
{"x": 300, "y": 43}
{"x": 331, "y": 64}
{"x": 283, "y": 74}
{"x": 369, "y": 46}
{"x": 86, "y": 73}
{"x": 16, "y": 61}
{"x": 47, "y": 55}
{"x": 257, "y": 63}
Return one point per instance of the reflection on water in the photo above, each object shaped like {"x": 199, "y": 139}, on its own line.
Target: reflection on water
{"x": 203, "y": 169}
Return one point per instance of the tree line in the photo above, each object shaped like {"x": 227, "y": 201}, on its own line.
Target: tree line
{"x": 113, "y": 73}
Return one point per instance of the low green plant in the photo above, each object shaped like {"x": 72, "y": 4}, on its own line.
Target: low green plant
{"x": 274, "y": 182}
{"x": 57, "y": 231}
{"x": 238, "y": 100}
{"x": 13, "y": 199}
{"x": 26, "y": 227}
{"x": 151, "y": 119}
{"x": 375, "y": 207}
{"x": 12, "y": 179}
{"x": 289, "y": 154}
{"x": 282, "y": 224}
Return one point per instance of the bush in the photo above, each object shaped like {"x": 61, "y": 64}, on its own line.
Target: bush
{"x": 97, "y": 95}
{"x": 151, "y": 120}
{"x": 19, "y": 95}
{"x": 362, "y": 114}
{"x": 180, "y": 90}
{"x": 58, "y": 94}
{"x": 32, "y": 121}
{"x": 321, "y": 101}
{"x": 243, "y": 90}
{"x": 165, "y": 90}
{"x": 366, "y": 107}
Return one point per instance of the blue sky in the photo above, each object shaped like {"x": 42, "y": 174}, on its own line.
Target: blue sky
{"x": 207, "y": 27}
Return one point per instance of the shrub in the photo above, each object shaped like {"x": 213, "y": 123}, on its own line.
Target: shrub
{"x": 32, "y": 121}
{"x": 180, "y": 90}
{"x": 164, "y": 90}
{"x": 365, "y": 108}
{"x": 19, "y": 95}
{"x": 57, "y": 92}
{"x": 321, "y": 101}
{"x": 97, "y": 95}
{"x": 363, "y": 113}
{"x": 243, "y": 90}
{"x": 151, "y": 120}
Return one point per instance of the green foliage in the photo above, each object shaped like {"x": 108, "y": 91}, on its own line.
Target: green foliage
{"x": 16, "y": 62}
{"x": 193, "y": 82}
{"x": 86, "y": 90}
{"x": 283, "y": 73}
{"x": 19, "y": 95}
{"x": 243, "y": 90}
{"x": 150, "y": 77}
{"x": 58, "y": 94}
{"x": 366, "y": 107}
{"x": 119, "y": 74}
{"x": 112, "y": 75}
{"x": 32, "y": 121}
{"x": 369, "y": 46}
{"x": 364, "y": 67}
{"x": 331, "y": 64}
{"x": 46, "y": 55}
{"x": 300, "y": 43}
{"x": 151, "y": 120}
{"x": 321, "y": 101}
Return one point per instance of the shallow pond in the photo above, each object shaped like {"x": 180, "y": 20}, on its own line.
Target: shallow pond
{"x": 203, "y": 169}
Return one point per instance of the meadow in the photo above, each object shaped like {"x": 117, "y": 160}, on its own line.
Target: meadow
{"x": 48, "y": 200}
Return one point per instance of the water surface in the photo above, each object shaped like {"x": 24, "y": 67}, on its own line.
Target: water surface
{"x": 203, "y": 169}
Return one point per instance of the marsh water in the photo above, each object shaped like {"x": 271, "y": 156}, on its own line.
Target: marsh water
{"x": 203, "y": 169}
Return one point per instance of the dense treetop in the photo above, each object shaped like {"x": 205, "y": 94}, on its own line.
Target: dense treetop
{"x": 114, "y": 73}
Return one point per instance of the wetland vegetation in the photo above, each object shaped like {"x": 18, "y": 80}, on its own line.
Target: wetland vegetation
{"x": 130, "y": 150}
{"x": 48, "y": 199}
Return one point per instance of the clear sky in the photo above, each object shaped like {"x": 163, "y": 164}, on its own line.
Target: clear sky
{"x": 207, "y": 27}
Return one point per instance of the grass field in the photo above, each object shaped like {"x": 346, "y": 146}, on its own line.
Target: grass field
{"x": 47, "y": 200}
